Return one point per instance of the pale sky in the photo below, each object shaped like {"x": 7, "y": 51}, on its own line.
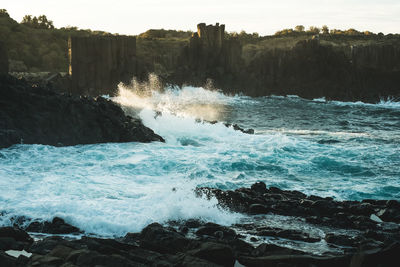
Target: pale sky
{"x": 262, "y": 16}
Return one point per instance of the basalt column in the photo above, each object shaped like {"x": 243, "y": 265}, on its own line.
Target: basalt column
{"x": 3, "y": 59}
{"x": 98, "y": 64}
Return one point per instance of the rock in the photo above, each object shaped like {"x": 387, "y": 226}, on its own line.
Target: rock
{"x": 294, "y": 260}
{"x": 211, "y": 229}
{"x": 157, "y": 238}
{"x": 3, "y": 59}
{"x": 270, "y": 249}
{"x": 388, "y": 257}
{"x": 89, "y": 72}
{"x": 6, "y": 260}
{"x": 34, "y": 115}
{"x": 214, "y": 252}
{"x": 56, "y": 226}
{"x": 341, "y": 240}
{"x": 16, "y": 234}
{"x": 259, "y": 187}
{"x": 258, "y": 209}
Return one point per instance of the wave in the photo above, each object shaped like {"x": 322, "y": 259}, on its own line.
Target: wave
{"x": 390, "y": 103}
{"x": 188, "y": 101}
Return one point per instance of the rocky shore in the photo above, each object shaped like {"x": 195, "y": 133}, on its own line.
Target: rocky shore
{"x": 348, "y": 233}
{"x": 34, "y": 115}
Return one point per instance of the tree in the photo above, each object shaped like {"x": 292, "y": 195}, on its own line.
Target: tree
{"x": 314, "y": 30}
{"x": 40, "y": 22}
{"x": 325, "y": 29}
{"x": 4, "y": 13}
{"x": 299, "y": 28}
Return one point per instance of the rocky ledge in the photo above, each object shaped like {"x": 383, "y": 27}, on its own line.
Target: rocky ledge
{"x": 35, "y": 115}
{"x": 349, "y": 233}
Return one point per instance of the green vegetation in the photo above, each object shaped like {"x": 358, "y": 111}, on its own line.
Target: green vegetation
{"x": 36, "y": 45}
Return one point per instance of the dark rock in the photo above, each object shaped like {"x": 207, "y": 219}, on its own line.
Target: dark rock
{"x": 388, "y": 257}
{"x": 46, "y": 245}
{"x": 16, "y": 234}
{"x": 192, "y": 223}
{"x": 288, "y": 234}
{"x": 157, "y": 238}
{"x": 6, "y": 260}
{"x": 214, "y": 252}
{"x": 259, "y": 187}
{"x": 270, "y": 249}
{"x": 34, "y": 115}
{"x": 4, "y": 66}
{"x": 294, "y": 260}
{"x": 341, "y": 240}
{"x": 56, "y": 226}
{"x": 258, "y": 209}
{"x": 211, "y": 229}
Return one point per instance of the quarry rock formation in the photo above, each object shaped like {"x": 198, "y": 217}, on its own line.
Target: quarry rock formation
{"x": 98, "y": 64}
{"x": 310, "y": 68}
{"x": 3, "y": 59}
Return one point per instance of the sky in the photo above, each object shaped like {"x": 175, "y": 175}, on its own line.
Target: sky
{"x": 132, "y": 17}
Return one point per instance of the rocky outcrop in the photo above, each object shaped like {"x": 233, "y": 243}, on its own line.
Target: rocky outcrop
{"x": 34, "y": 115}
{"x": 3, "y": 59}
{"x": 369, "y": 241}
{"x": 98, "y": 64}
{"x": 209, "y": 55}
{"x": 310, "y": 69}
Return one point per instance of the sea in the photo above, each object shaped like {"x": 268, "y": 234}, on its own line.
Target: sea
{"x": 344, "y": 150}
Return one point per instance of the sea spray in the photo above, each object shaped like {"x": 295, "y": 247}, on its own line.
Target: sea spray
{"x": 348, "y": 151}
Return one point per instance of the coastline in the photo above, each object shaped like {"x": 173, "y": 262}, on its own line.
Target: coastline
{"x": 366, "y": 232}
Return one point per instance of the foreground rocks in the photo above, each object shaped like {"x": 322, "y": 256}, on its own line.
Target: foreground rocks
{"x": 34, "y": 115}
{"x": 371, "y": 240}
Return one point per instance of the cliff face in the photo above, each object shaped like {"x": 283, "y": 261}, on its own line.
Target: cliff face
{"x": 209, "y": 55}
{"x": 3, "y": 59}
{"x": 98, "y": 64}
{"x": 35, "y": 115}
{"x": 312, "y": 70}
{"x": 308, "y": 68}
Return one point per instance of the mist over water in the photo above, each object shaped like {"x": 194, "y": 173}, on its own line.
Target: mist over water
{"x": 344, "y": 150}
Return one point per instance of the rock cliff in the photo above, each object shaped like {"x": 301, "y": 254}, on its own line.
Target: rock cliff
{"x": 98, "y": 64}
{"x": 3, "y": 59}
{"x": 34, "y": 115}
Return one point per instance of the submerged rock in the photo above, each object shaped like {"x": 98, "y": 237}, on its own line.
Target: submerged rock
{"x": 34, "y": 115}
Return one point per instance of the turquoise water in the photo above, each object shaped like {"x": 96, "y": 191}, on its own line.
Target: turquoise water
{"x": 344, "y": 150}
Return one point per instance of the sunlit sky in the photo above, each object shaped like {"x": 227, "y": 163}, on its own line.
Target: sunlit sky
{"x": 263, "y": 16}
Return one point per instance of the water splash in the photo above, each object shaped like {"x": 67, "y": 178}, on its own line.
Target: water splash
{"x": 195, "y": 102}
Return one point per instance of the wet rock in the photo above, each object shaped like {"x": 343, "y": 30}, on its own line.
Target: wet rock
{"x": 259, "y": 187}
{"x": 214, "y": 252}
{"x": 341, "y": 240}
{"x": 388, "y": 256}
{"x": 16, "y": 234}
{"x": 294, "y": 260}
{"x": 156, "y": 237}
{"x": 56, "y": 226}
{"x": 287, "y": 233}
{"x": 6, "y": 260}
{"x": 258, "y": 209}
{"x": 46, "y": 245}
{"x": 13, "y": 238}
{"x": 211, "y": 229}
{"x": 270, "y": 249}
{"x": 35, "y": 115}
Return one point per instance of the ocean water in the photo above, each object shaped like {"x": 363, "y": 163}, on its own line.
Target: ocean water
{"x": 344, "y": 150}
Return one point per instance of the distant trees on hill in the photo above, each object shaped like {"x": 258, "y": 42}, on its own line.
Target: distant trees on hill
{"x": 300, "y": 29}
{"x": 40, "y": 22}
